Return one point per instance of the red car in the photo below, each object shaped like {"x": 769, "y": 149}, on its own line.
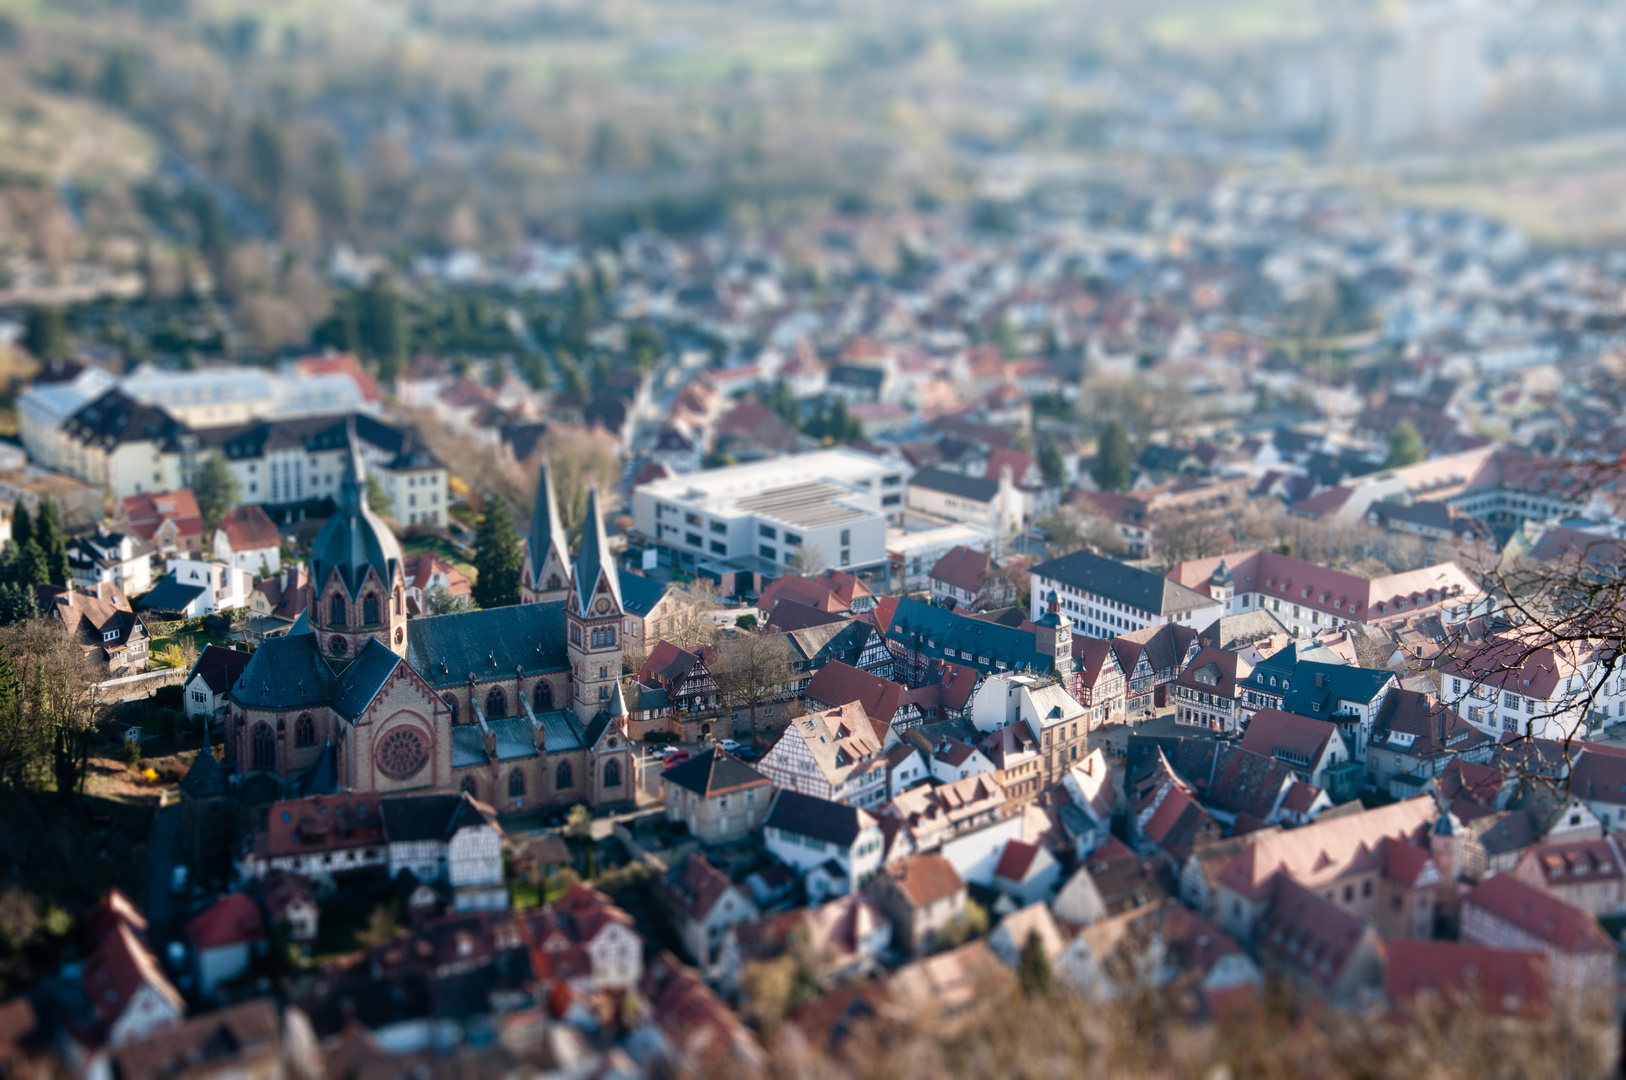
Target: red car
{"x": 675, "y": 757}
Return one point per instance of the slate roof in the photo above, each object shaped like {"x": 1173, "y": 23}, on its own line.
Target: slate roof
{"x": 640, "y": 594}
{"x": 1139, "y": 590}
{"x": 973, "y": 488}
{"x": 546, "y": 528}
{"x": 169, "y": 595}
{"x": 355, "y": 539}
{"x": 715, "y": 772}
{"x": 220, "y": 667}
{"x": 807, "y": 815}
{"x": 593, "y": 557}
{"x": 432, "y": 815}
{"x": 285, "y": 673}
{"x": 935, "y": 631}
{"x": 115, "y": 419}
{"x": 490, "y": 643}
{"x": 363, "y": 678}
{"x": 1311, "y": 683}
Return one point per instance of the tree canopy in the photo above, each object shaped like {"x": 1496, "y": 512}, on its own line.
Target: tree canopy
{"x": 215, "y": 487}
{"x": 1114, "y": 467}
{"x": 497, "y": 558}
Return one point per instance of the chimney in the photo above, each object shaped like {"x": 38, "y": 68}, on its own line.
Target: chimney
{"x": 1320, "y": 679}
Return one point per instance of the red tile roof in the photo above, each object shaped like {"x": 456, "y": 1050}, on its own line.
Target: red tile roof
{"x": 963, "y": 568}
{"x": 146, "y": 512}
{"x": 248, "y": 528}
{"x": 838, "y": 683}
{"x": 1543, "y": 916}
{"x": 1271, "y": 730}
{"x": 926, "y": 879}
{"x": 1507, "y": 982}
{"x": 234, "y": 919}
{"x": 1308, "y": 933}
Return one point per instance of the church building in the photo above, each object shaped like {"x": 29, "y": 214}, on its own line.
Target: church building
{"x": 520, "y": 706}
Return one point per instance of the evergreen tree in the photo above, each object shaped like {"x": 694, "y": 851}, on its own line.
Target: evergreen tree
{"x": 46, "y": 335}
{"x": 216, "y": 488}
{"x": 1050, "y": 462}
{"x": 10, "y": 685}
{"x": 52, "y": 539}
{"x": 1033, "y": 967}
{"x": 16, "y": 603}
{"x": 387, "y": 331}
{"x": 32, "y": 569}
{"x": 1405, "y": 446}
{"x": 497, "y": 559}
{"x": 378, "y": 500}
{"x": 1114, "y": 468}
{"x": 22, "y": 526}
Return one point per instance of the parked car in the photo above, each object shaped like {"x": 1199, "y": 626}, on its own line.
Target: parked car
{"x": 746, "y": 753}
{"x": 675, "y": 757}
{"x": 731, "y": 746}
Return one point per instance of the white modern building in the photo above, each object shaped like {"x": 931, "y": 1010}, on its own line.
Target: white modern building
{"x": 831, "y": 507}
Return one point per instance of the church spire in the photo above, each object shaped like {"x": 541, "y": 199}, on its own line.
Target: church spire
{"x": 594, "y": 556}
{"x": 546, "y": 541}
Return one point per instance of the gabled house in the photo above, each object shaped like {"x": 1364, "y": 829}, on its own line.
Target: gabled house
{"x": 224, "y": 938}
{"x": 1414, "y": 739}
{"x": 1206, "y": 693}
{"x": 960, "y": 576}
{"x": 1599, "y": 777}
{"x": 277, "y": 602}
{"x": 1110, "y": 881}
{"x": 1151, "y": 659}
{"x": 123, "y": 560}
{"x": 128, "y": 992}
{"x": 102, "y": 624}
{"x": 1321, "y": 945}
{"x": 843, "y": 939}
{"x": 855, "y": 642}
{"x": 1027, "y": 873}
{"x": 1314, "y": 748}
{"x": 836, "y": 754}
{"x": 169, "y": 520}
{"x": 834, "y": 591}
{"x": 1086, "y": 812}
{"x": 837, "y": 848}
{"x": 923, "y": 895}
{"x": 932, "y": 814}
{"x": 1098, "y": 681}
{"x": 455, "y": 838}
{"x": 952, "y": 759}
{"x": 216, "y": 671}
{"x": 718, "y": 797}
{"x": 1017, "y": 763}
{"x": 1059, "y": 725}
{"x": 1505, "y": 912}
{"x": 883, "y": 700}
{"x": 683, "y": 674}
{"x": 247, "y": 539}
{"x": 1339, "y": 693}
{"x": 705, "y": 904}
{"x": 1585, "y": 873}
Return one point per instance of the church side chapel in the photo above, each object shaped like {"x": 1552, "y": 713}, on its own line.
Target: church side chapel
{"x": 519, "y": 706}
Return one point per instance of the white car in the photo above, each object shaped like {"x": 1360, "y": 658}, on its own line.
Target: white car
{"x": 730, "y": 745}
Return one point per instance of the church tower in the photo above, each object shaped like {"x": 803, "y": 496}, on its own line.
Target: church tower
{"x": 1222, "y": 586}
{"x": 1054, "y": 638}
{"x": 546, "y": 577}
{"x": 357, "y": 584}
{"x": 593, "y": 616}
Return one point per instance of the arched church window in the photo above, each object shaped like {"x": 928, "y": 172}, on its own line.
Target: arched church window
{"x": 575, "y": 635}
{"x": 496, "y": 704}
{"x": 562, "y": 776}
{"x": 338, "y": 645}
{"x": 612, "y": 774}
{"x": 471, "y": 786}
{"x": 451, "y": 703}
{"x": 264, "y": 742}
{"x": 336, "y": 611}
{"x": 398, "y": 599}
{"x": 369, "y": 609}
{"x": 542, "y": 697}
{"x": 516, "y": 784}
{"x": 305, "y": 731}
{"x": 554, "y": 582}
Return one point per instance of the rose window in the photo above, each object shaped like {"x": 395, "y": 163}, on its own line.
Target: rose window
{"x": 402, "y": 753}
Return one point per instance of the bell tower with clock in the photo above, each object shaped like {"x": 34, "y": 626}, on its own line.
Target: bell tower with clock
{"x": 593, "y": 618}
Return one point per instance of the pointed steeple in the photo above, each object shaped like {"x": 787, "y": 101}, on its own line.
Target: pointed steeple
{"x": 547, "y": 531}
{"x": 594, "y": 556}
{"x": 618, "y": 703}
{"x": 355, "y": 537}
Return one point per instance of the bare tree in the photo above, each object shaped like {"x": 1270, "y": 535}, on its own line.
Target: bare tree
{"x": 579, "y": 459}
{"x": 753, "y": 669}
{"x": 808, "y": 562}
{"x": 49, "y": 723}
{"x": 688, "y": 623}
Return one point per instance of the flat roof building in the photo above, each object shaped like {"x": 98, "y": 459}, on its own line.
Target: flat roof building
{"x": 830, "y": 507}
